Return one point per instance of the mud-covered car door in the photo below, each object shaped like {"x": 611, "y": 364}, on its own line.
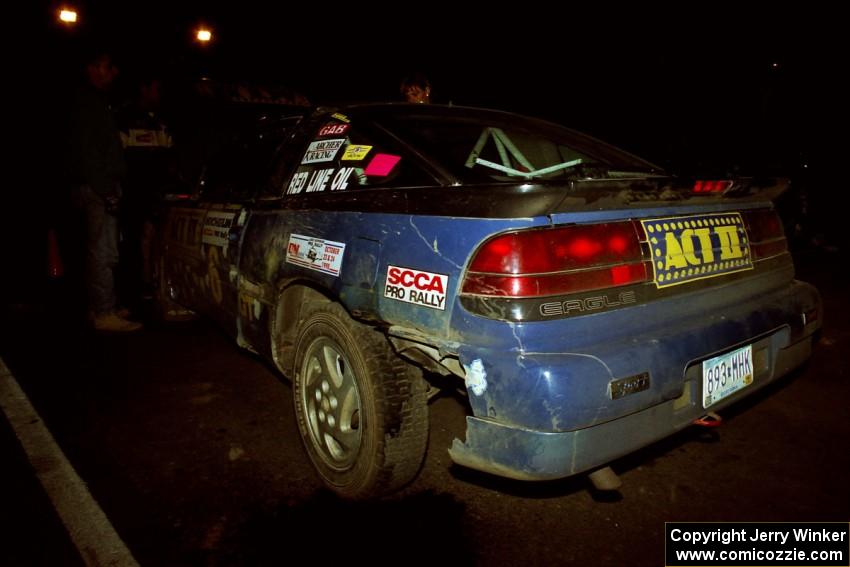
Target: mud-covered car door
{"x": 231, "y": 184}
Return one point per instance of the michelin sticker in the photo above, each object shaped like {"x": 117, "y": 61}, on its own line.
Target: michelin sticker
{"x": 322, "y": 150}
{"x": 416, "y": 287}
{"x": 320, "y": 180}
{"x": 217, "y": 228}
{"x": 315, "y": 254}
{"x": 686, "y": 249}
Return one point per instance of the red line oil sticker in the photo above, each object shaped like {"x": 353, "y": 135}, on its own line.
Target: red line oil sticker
{"x": 320, "y": 180}
{"x": 686, "y": 249}
{"x": 416, "y": 287}
{"x": 322, "y": 150}
{"x": 381, "y": 165}
{"x": 333, "y": 130}
{"x": 315, "y": 254}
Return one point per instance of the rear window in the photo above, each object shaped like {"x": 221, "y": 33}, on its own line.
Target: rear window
{"x": 343, "y": 155}
{"x": 507, "y": 148}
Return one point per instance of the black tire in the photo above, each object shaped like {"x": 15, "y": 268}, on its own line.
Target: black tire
{"x": 361, "y": 410}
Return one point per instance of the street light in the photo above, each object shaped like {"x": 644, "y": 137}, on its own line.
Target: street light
{"x": 68, "y": 15}
{"x": 203, "y": 35}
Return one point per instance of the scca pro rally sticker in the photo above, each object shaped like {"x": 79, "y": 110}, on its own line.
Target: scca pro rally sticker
{"x": 315, "y": 254}
{"x": 414, "y": 286}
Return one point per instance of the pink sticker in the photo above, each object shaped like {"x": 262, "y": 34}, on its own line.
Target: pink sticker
{"x": 381, "y": 165}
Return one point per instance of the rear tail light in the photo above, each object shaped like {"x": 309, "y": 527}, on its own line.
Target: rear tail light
{"x": 767, "y": 237}
{"x": 555, "y": 261}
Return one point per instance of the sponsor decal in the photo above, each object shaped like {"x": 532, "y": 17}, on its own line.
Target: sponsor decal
{"x": 320, "y": 180}
{"x": 217, "y": 228}
{"x": 341, "y": 117}
{"x": 686, "y": 249}
{"x": 355, "y": 153}
{"x": 333, "y": 130}
{"x": 417, "y": 287}
{"x": 212, "y": 279}
{"x": 315, "y": 254}
{"x": 381, "y": 165}
{"x": 322, "y": 150}
{"x": 146, "y": 138}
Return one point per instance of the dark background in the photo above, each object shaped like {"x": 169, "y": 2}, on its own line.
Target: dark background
{"x": 681, "y": 88}
{"x": 705, "y": 92}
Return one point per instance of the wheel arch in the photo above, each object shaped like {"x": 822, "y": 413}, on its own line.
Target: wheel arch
{"x": 295, "y": 300}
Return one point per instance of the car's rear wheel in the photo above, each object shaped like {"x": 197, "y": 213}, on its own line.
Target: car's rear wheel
{"x": 362, "y": 411}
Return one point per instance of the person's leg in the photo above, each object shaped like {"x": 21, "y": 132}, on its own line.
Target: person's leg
{"x": 102, "y": 258}
{"x": 101, "y": 253}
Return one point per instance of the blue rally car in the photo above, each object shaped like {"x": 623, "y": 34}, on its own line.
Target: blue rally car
{"x": 589, "y": 303}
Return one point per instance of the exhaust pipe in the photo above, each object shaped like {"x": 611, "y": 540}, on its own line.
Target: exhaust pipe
{"x": 710, "y": 419}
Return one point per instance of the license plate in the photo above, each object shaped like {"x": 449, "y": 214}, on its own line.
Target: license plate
{"x": 724, "y": 375}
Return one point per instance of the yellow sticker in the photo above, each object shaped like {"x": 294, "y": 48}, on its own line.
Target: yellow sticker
{"x": 355, "y": 153}
{"x": 682, "y": 254}
{"x": 340, "y": 117}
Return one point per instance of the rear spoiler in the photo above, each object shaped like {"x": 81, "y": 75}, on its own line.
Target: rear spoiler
{"x": 612, "y": 193}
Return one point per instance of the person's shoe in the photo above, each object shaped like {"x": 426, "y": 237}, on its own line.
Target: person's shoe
{"x": 112, "y": 323}
{"x": 122, "y": 312}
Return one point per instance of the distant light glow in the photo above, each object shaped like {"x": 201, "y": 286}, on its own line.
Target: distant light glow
{"x": 68, "y": 16}
{"x": 204, "y": 35}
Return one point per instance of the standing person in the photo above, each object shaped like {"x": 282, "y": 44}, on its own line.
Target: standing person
{"x": 416, "y": 88}
{"x": 97, "y": 164}
{"x": 147, "y": 151}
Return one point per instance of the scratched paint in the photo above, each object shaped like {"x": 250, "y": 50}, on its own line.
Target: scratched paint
{"x": 476, "y": 377}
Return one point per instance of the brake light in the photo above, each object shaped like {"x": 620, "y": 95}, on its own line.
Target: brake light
{"x": 705, "y": 187}
{"x": 554, "y": 261}
{"x": 767, "y": 237}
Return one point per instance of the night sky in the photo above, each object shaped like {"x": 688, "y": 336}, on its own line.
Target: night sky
{"x": 682, "y": 88}
{"x": 701, "y": 92}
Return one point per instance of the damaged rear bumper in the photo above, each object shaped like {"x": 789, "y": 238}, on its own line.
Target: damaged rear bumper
{"x": 525, "y": 454}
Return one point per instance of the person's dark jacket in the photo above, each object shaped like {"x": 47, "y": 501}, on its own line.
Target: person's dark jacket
{"x": 96, "y": 155}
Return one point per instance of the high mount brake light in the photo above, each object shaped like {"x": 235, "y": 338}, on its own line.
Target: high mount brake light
{"x": 552, "y": 261}
{"x": 707, "y": 187}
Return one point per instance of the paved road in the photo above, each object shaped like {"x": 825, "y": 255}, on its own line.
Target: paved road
{"x": 190, "y": 447}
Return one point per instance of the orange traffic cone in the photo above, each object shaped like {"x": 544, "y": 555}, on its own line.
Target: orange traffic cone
{"x": 54, "y": 260}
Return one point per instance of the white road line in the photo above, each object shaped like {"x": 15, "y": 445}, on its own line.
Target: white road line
{"x": 97, "y": 541}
